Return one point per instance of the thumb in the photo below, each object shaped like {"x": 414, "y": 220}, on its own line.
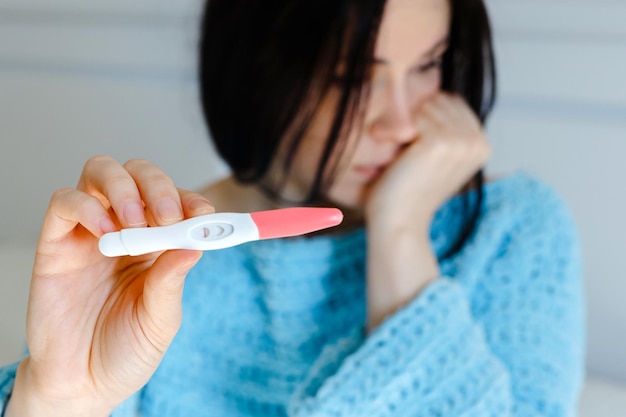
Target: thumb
{"x": 163, "y": 288}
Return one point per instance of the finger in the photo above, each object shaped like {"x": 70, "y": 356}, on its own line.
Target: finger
{"x": 163, "y": 290}
{"x": 425, "y": 124}
{"x": 70, "y": 207}
{"x": 435, "y": 111}
{"x": 195, "y": 204}
{"x": 108, "y": 181}
{"x": 460, "y": 112}
{"x": 466, "y": 113}
{"x": 466, "y": 121}
{"x": 157, "y": 190}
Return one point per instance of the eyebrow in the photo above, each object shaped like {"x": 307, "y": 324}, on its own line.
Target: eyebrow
{"x": 428, "y": 53}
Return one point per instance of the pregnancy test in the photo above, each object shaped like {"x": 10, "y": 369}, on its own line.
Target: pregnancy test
{"x": 219, "y": 230}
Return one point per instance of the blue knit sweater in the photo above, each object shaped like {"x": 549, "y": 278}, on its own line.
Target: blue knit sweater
{"x": 275, "y": 328}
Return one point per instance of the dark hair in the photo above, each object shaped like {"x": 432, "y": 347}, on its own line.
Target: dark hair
{"x": 265, "y": 66}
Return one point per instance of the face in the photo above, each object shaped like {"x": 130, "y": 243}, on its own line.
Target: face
{"x": 412, "y": 40}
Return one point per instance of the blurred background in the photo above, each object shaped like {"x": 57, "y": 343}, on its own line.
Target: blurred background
{"x": 115, "y": 77}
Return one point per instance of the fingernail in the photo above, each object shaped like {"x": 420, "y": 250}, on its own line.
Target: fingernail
{"x": 200, "y": 205}
{"x": 133, "y": 213}
{"x": 168, "y": 209}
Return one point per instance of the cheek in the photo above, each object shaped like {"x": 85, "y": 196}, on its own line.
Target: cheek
{"x": 307, "y": 159}
{"x": 347, "y": 193}
{"x": 424, "y": 87}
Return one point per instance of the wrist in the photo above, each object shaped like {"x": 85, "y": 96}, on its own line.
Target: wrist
{"x": 399, "y": 218}
{"x": 405, "y": 255}
{"x": 399, "y": 267}
{"x": 389, "y": 230}
{"x": 26, "y": 401}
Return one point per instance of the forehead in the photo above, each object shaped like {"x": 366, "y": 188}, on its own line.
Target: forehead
{"x": 411, "y": 27}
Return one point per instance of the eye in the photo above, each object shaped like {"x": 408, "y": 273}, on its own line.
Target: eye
{"x": 431, "y": 65}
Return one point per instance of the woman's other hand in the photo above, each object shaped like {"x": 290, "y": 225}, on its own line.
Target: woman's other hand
{"x": 450, "y": 147}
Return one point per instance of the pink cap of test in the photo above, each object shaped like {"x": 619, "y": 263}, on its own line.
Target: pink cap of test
{"x": 295, "y": 221}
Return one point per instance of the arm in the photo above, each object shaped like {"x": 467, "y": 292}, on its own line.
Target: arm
{"x": 532, "y": 308}
{"x": 449, "y": 148}
{"x": 396, "y": 272}
{"x": 433, "y": 352}
{"x": 504, "y": 336}
{"x": 428, "y": 356}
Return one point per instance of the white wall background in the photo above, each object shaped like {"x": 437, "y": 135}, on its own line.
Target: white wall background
{"x": 562, "y": 116}
{"x": 83, "y": 78}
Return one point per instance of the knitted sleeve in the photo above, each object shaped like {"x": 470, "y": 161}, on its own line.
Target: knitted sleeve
{"x": 510, "y": 344}
{"x": 7, "y": 379}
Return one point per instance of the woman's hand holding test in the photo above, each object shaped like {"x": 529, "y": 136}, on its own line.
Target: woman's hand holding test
{"x": 98, "y": 327}
{"x": 448, "y": 149}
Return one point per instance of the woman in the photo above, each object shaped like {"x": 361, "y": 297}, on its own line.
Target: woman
{"x": 439, "y": 296}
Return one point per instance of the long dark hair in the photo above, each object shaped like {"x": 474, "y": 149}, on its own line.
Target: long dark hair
{"x": 265, "y": 66}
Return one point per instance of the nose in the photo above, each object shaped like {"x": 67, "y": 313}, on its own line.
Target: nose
{"x": 395, "y": 121}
